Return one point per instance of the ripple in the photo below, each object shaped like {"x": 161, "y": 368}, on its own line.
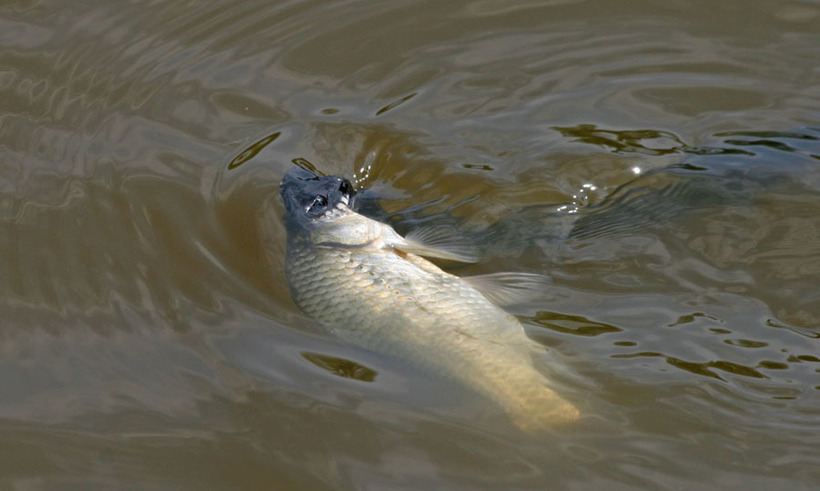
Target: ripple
{"x": 572, "y": 324}
{"x": 341, "y": 367}
{"x": 145, "y": 305}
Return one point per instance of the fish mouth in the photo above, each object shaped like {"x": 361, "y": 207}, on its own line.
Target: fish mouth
{"x": 341, "y": 208}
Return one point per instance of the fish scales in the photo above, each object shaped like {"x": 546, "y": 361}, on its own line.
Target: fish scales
{"x": 397, "y": 303}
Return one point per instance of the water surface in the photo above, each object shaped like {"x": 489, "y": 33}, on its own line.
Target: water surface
{"x": 659, "y": 162}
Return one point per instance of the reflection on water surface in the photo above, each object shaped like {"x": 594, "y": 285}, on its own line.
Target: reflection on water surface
{"x": 658, "y": 161}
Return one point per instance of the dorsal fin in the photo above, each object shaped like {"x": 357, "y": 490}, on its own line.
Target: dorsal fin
{"x": 507, "y": 289}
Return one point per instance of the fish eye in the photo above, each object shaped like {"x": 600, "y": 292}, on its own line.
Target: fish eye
{"x": 344, "y": 187}
{"x": 320, "y": 201}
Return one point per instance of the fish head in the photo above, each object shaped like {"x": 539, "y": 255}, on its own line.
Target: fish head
{"x": 309, "y": 198}
{"x": 319, "y": 209}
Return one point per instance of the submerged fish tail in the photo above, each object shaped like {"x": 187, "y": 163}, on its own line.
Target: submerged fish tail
{"x": 513, "y": 383}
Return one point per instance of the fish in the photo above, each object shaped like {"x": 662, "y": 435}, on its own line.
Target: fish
{"x": 374, "y": 288}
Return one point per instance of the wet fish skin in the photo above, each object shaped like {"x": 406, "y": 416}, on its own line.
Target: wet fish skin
{"x": 364, "y": 283}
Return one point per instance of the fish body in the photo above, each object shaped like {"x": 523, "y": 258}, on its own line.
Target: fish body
{"x": 370, "y": 286}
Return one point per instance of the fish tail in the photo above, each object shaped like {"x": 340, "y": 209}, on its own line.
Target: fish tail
{"x": 542, "y": 410}
{"x": 529, "y": 402}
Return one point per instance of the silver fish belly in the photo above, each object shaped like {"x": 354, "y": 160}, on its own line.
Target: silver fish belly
{"x": 373, "y": 292}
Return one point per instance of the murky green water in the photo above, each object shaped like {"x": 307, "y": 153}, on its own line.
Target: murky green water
{"x": 659, "y": 161}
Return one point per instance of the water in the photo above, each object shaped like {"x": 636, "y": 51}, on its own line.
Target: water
{"x": 659, "y": 161}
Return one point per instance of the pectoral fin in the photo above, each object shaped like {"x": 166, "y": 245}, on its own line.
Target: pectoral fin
{"x": 506, "y": 289}
{"x": 440, "y": 242}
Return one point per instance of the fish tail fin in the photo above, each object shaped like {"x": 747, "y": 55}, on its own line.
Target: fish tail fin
{"x": 530, "y": 403}
{"x": 542, "y": 412}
